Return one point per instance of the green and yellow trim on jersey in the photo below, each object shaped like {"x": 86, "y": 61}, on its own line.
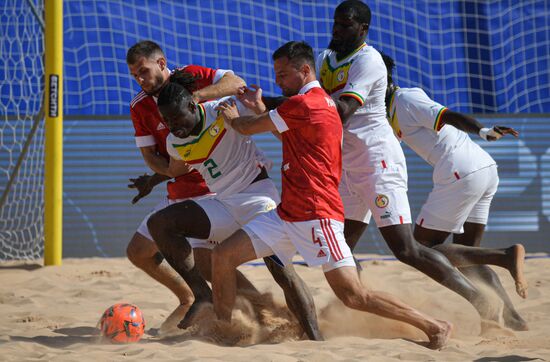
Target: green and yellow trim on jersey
{"x": 200, "y": 149}
{"x": 394, "y": 121}
{"x": 353, "y": 95}
{"x": 438, "y": 124}
{"x": 333, "y": 79}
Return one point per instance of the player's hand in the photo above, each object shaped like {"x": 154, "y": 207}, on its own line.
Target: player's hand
{"x": 251, "y": 98}
{"x": 142, "y": 185}
{"x": 497, "y": 132}
{"x": 228, "y": 110}
{"x": 506, "y": 130}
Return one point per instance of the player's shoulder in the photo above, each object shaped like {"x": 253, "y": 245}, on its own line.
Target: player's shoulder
{"x": 411, "y": 94}
{"x": 324, "y": 54}
{"x": 368, "y": 55}
{"x": 314, "y": 98}
{"x": 141, "y": 99}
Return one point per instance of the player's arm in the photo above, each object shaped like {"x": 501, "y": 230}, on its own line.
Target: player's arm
{"x": 230, "y": 84}
{"x": 247, "y": 125}
{"x": 156, "y": 162}
{"x": 471, "y": 125}
{"x": 179, "y": 167}
{"x": 273, "y": 102}
{"x": 346, "y": 107}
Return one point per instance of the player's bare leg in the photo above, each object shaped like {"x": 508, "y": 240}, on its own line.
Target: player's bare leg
{"x": 204, "y": 264}
{"x": 169, "y": 228}
{"x": 435, "y": 265}
{"x": 226, "y": 257}
{"x": 353, "y": 230}
{"x": 144, "y": 254}
{"x": 348, "y": 288}
{"x": 472, "y": 236}
{"x": 238, "y": 249}
{"x": 297, "y": 295}
{"x": 511, "y": 258}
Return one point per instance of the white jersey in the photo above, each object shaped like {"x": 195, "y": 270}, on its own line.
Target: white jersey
{"x": 361, "y": 75}
{"x": 227, "y": 160}
{"x": 416, "y": 119}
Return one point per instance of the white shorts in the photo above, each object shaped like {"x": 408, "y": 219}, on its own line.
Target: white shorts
{"x": 380, "y": 191}
{"x": 468, "y": 199}
{"x": 164, "y": 203}
{"x": 319, "y": 242}
{"x": 230, "y": 213}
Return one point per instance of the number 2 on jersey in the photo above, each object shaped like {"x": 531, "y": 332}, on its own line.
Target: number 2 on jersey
{"x": 211, "y": 166}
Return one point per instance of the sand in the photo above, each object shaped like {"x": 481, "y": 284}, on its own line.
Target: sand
{"x": 50, "y": 313}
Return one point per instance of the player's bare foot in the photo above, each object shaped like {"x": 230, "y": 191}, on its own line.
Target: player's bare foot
{"x": 441, "y": 335}
{"x": 514, "y": 321}
{"x": 171, "y": 323}
{"x": 517, "y": 254}
{"x": 187, "y": 321}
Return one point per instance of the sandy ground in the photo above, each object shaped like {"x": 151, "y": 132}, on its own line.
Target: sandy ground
{"x": 50, "y": 313}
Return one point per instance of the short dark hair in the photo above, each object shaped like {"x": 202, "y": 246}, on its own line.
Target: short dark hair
{"x": 389, "y": 62}
{"x": 144, "y": 48}
{"x": 357, "y": 9}
{"x": 172, "y": 94}
{"x": 297, "y": 52}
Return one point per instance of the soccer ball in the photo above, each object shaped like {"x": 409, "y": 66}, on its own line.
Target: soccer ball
{"x": 122, "y": 323}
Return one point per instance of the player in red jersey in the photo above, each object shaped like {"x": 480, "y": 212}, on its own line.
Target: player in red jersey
{"x": 147, "y": 64}
{"x": 310, "y": 217}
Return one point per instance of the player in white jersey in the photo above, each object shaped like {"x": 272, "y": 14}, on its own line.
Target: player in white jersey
{"x": 374, "y": 170}
{"x": 230, "y": 164}
{"x": 465, "y": 181}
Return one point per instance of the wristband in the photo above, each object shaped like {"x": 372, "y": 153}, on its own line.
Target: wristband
{"x": 489, "y": 132}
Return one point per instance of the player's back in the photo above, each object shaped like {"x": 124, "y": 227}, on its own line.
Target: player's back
{"x": 416, "y": 119}
{"x": 312, "y": 157}
{"x": 226, "y": 159}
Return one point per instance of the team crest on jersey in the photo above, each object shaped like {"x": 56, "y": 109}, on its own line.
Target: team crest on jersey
{"x": 381, "y": 201}
{"x": 214, "y": 130}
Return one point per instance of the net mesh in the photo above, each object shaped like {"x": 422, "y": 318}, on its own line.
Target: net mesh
{"x": 22, "y": 67}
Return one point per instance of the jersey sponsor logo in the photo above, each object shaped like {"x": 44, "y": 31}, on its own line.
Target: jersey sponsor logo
{"x": 381, "y": 201}
{"x": 161, "y": 126}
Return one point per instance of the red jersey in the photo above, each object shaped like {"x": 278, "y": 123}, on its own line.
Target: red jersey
{"x": 311, "y": 131}
{"x": 150, "y": 130}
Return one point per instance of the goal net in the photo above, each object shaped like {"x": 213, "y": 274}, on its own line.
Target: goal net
{"x": 21, "y": 130}
{"x": 473, "y": 56}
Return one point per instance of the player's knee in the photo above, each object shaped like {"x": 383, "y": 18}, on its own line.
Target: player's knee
{"x": 408, "y": 254}
{"x": 156, "y": 224}
{"x": 354, "y": 299}
{"x": 139, "y": 249}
